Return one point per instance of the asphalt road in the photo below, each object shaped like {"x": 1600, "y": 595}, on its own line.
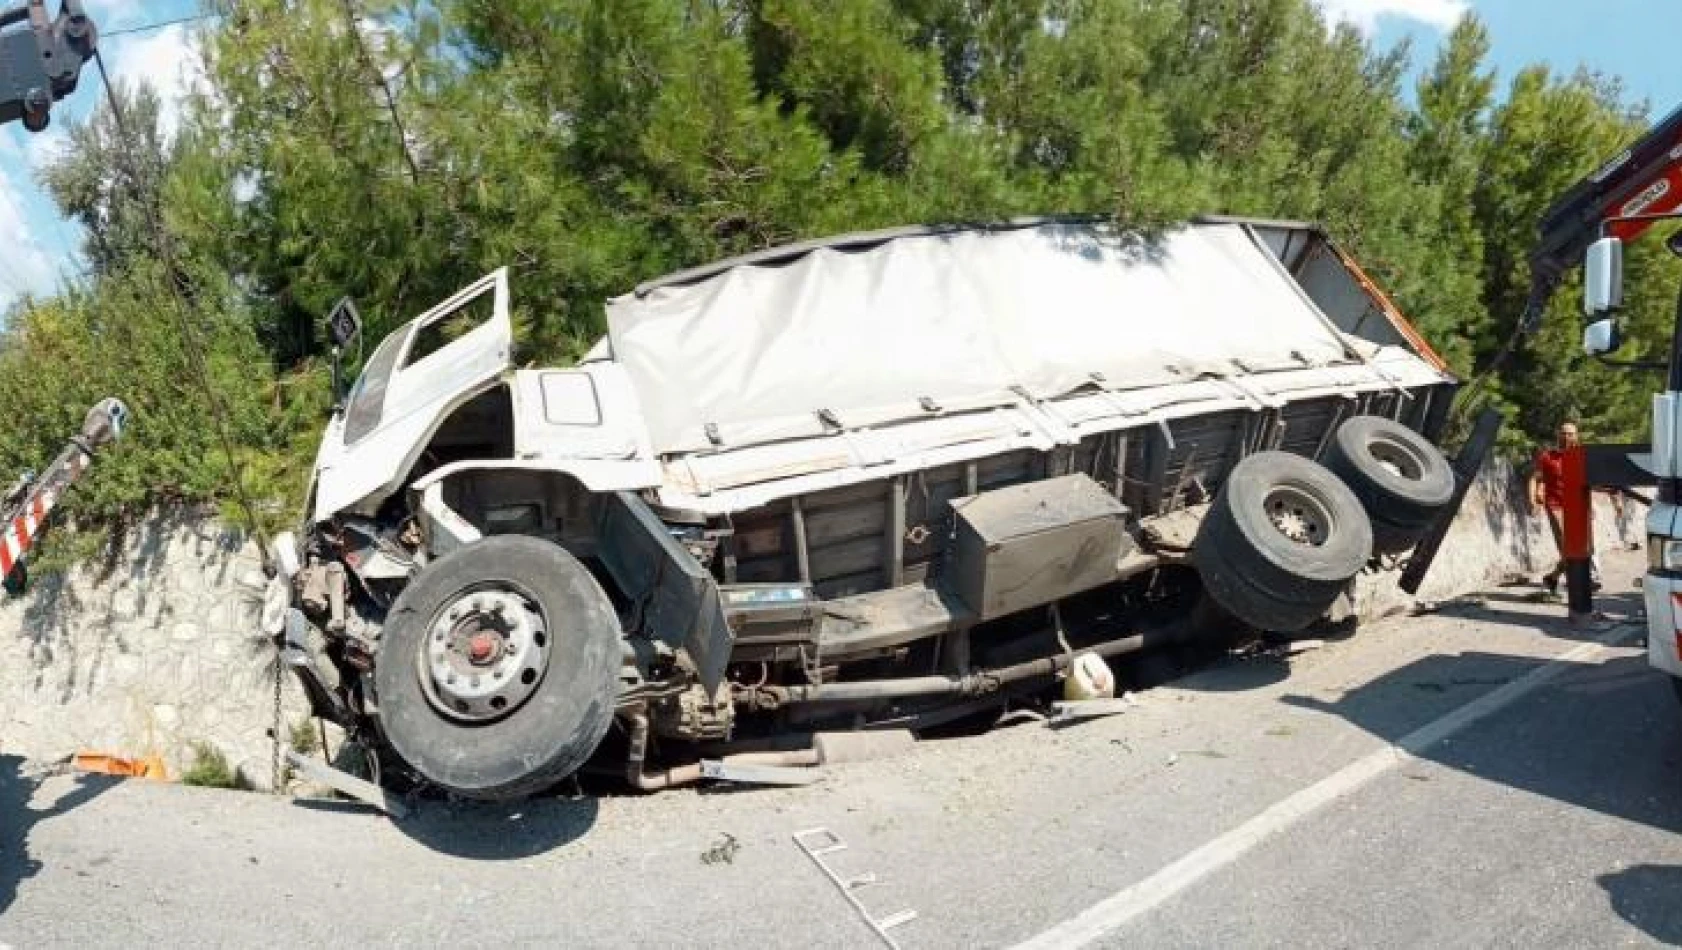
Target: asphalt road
{"x": 1258, "y": 802}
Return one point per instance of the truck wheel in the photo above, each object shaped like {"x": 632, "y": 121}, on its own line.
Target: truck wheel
{"x": 498, "y": 669}
{"x": 1280, "y": 541}
{"x": 1235, "y": 594}
{"x": 1402, "y": 480}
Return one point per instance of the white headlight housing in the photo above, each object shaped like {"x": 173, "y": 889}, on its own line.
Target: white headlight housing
{"x": 284, "y": 548}
{"x": 1664, "y": 554}
{"x": 276, "y": 599}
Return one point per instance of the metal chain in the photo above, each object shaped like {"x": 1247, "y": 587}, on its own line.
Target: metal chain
{"x": 279, "y": 674}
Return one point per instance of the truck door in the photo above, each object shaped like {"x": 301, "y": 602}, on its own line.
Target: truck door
{"x": 418, "y": 375}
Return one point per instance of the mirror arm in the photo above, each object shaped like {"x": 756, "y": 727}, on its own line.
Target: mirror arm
{"x": 1656, "y": 366}
{"x": 338, "y": 382}
{"x": 1673, "y": 382}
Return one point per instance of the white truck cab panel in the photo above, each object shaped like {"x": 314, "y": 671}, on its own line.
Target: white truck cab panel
{"x": 418, "y": 374}
{"x": 1660, "y": 593}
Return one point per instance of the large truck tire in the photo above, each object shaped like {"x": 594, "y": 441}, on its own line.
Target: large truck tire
{"x": 1281, "y": 540}
{"x": 1402, "y": 480}
{"x": 498, "y": 668}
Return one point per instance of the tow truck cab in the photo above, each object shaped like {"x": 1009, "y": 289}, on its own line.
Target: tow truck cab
{"x": 1619, "y": 202}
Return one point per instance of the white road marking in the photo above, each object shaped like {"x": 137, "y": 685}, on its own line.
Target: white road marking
{"x": 1134, "y": 900}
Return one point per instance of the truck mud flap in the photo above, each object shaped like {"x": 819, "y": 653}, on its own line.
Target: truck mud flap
{"x": 678, "y": 600}
{"x": 1467, "y": 464}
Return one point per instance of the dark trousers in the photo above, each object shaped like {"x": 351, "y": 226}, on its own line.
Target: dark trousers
{"x": 1556, "y": 525}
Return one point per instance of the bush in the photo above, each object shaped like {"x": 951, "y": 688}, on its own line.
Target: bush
{"x": 306, "y": 740}
{"x": 210, "y": 769}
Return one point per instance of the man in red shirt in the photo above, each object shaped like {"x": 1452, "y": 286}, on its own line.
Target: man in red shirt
{"x": 1547, "y": 492}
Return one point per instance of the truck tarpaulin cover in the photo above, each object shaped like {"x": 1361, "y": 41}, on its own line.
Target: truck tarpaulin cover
{"x": 955, "y": 319}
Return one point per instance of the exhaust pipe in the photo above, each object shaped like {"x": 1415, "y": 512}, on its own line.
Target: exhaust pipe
{"x": 973, "y": 684}
{"x": 646, "y": 781}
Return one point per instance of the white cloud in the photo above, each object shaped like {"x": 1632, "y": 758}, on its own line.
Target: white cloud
{"x": 41, "y": 148}
{"x": 1364, "y": 14}
{"x": 24, "y": 266}
{"x": 170, "y": 59}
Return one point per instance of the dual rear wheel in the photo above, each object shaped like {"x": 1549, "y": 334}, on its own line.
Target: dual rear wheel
{"x": 1285, "y": 535}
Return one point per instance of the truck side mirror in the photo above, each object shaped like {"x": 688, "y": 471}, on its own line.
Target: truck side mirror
{"x": 345, "y": 325}
{"x": 1603, "y": 277}
{"x": 1602, "y": 337}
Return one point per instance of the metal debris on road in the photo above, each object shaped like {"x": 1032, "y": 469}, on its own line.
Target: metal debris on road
{"x": 1065, "y": 712}
{"x": 749, "y": 774}
{"x": 359, "y": 789}
{"x": 1468, "y": 602}
{"x": 723, "y": 851}
{"x": 821, "y": 842}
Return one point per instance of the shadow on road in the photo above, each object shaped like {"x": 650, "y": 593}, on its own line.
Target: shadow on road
{"x": 17, "y": 818}
{"x": 1605, "y": 737}
{"x": 485, "y": 831}
{"x": 1648, "y": 896}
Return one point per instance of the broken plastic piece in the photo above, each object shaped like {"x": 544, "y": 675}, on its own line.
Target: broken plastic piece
{"x": 151, "y": 767}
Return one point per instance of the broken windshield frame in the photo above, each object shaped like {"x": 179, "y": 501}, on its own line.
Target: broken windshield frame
{"x": 367, "y": 397}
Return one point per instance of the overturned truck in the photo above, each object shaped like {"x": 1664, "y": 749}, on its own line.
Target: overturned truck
{"x": 889, "y": 478}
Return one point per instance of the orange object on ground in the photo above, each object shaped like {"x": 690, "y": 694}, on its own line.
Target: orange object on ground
{"x": 151, "y": 767}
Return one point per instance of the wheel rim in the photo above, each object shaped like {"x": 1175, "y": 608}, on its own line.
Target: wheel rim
{"x": 1396, "y": 458}
{"x": 1297, "y": 515}
{"x": 484, "y": 654}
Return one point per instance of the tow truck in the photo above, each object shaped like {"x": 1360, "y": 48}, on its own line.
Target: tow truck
{"x": 1589, "y": 224}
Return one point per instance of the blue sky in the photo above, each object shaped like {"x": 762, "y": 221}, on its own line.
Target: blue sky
{"x": 1632, "y": 39}
{"x": 38, "y": 249}
{"x": 1628, "y": 38}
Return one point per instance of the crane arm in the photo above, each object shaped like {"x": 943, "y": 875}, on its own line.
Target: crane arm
{"x": 1644, "y": 179}
{"x": 24, "y": 509}
{"x": 41, "y": 62}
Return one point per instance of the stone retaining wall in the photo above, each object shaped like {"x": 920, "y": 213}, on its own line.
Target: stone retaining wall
{"x": 147, "y": 653}
{"x": 1495, "y": 537}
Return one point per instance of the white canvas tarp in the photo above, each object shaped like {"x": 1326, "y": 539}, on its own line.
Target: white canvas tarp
{"x": 957, "y": 319}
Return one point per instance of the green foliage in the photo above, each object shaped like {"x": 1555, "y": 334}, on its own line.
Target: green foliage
{"x": 210, "y": 769}
{"x": 397, "y": 149}
{"x": 305, "y": 738}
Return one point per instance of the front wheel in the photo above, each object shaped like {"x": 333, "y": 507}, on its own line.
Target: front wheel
{"x": 498, "y": 668}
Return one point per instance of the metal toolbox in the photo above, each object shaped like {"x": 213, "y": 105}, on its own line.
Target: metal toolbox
{"x": 1028, "y": 545}
{"x": 773, "y": 622}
